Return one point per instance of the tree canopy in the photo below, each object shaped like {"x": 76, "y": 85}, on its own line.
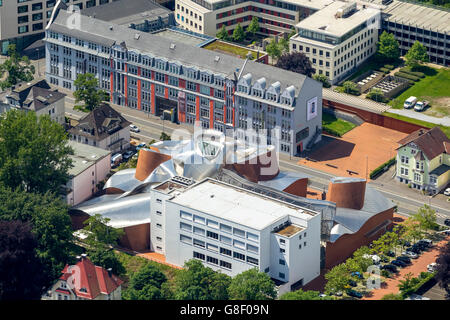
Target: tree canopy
{"x": 273, "y": 49}
{"x": 238, "y": 33}
{"x": 322, "y": 78}
{"x": 87, "y": 91}
{"x": 296, "y": 62}
{"x": 49, "y": 221}
{"x": 426, "y": 217}
{"x": 197, "y": 282}
{"x": 146, "y": 284}
{"x": 21, "y": 271}
{"x": 18, "y": 68}
{"x": 443, "y": 267}
{"x": 252, "y": 285}
{"x": 253, "y": 27}
{"x": 388, "y": 47}
{"x": 416, "y": 55}
{"x": 223, "y": 34}
{"x": 337, "y": 279}
{"x": 34, "y": 155}
{"x": 304, "y": 295}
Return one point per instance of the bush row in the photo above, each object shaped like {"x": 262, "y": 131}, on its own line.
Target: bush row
{"x": 385, "y": 70}
{"x": 413, "y": 73}
{"x": 406, "y": 76}
{"x": 380, "y": 169}
{"x": 423, "y": 278}
{"x": 389, "y": 66}
{"x": 332, "y": 132}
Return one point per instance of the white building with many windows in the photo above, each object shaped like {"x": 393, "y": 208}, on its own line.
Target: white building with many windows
{"x": 338, "y": 38}
{"x": 232, "y": 230}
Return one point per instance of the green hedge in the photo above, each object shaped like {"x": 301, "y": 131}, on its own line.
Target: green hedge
{"x": 385, "y": 70}
{"x": 389, "y": 66}
{"x": 414, "y": 73}
{"x": 380, "y": 169}
{"x": 422, "y": 279}
{"x": 332, "y": 132}
{"x": 406, "y": 76}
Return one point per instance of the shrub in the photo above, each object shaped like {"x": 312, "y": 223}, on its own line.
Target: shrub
{"x": 380, "y": 169}
{"x": 406, "y": 76}
{"x": 414, "y": 73}
{"x": 385, "y": 273}
{"x": 385, "y": 70}
{"x": 389, "y": 66}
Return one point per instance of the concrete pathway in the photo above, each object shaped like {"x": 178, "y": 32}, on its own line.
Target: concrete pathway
{"x": 445, "y": 121}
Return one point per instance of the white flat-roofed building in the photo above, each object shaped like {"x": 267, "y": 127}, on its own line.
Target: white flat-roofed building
{"x": 232, "y": 230}
{"x": 338, "y": 38}
{"x": 90, "y": 166}
{"x": 274, "y": 16}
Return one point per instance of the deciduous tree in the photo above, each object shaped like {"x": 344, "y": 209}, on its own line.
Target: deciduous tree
{"x": 87, "y": 91}
{"x": 322, "y": 78}
{"x": 34, "y": 155}
{"x": 337, "y": 279}
{"x": 416, "y": 55}
{"x": 253, "y": 27}
{"x": 223, "y": 34}
{"x": 22, "y": 274}
{"x": 296, "y": 62}
{"x": 17, "y": 69}
{"x": 388, "y": 47}
{"x": 252, "y": 285}
{"x": 443, "y": 268}
{"x": 238, "y": 33}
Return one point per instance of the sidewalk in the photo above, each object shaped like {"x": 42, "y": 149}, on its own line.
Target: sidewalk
{"x": 445, "y": 121}
{"x": 418, "y": 265}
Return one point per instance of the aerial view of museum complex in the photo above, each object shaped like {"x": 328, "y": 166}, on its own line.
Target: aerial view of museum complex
{"x": 228, "y": 150}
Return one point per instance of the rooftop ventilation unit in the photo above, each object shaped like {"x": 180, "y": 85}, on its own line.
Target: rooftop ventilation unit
{"x": 346, "y": 10}
{"x": 137, "y": 36}
{"x": 216, "y": 59}
{"x": 172, "y": 46}
{"x": 111, "y": 28}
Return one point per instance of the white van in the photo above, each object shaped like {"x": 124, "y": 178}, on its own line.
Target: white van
{"x": 116, "y": 159}
{"x": 410, "y": 102}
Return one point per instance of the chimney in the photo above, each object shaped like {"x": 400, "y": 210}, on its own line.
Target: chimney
{"x": 109, "y": 272}
{"x": 83, "y": 256}
{"x": 78, "y": 258}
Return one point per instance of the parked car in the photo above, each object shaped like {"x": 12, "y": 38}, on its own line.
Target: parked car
{"x": 410, "y": 102}
{"x": 390, "y": 253}
{"x": 352, "y": 283}
{"x": 415, "y": 250}
{"x": 389, "y": 267}
{"x": 338, "y": 294}
{"x": 420, "y": 105}
{"x": 398, "y": 263}
{"x": 405, "y": 259}
{"x": 357, "y": 274}
{"x": 410, "y": 254}
{"x": 426, "y": 242}
{"x": 140, "y": 146}
{"x": 127, "y": 155}
{"x": 431, "y": 267}
{"x": 447, "y": 192}
{"x": 354, "y": 293}
{"x": 322, "y": 295}
{"x": 116, "y": 159}
{"x": 447, "y": 222}
{"x": 134, "y": 128}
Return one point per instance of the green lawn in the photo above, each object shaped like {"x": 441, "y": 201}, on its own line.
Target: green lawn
{"x": 445, "y": 129}
{"x": 230, "y": 48}
{"x": 336, "y": 126}
{"x": 435, "y": 88}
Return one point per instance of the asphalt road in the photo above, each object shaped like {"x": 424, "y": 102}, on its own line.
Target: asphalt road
{"x": 151, "y": 128}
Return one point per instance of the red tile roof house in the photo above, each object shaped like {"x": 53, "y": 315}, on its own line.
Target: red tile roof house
{"x": 85, "y": 281}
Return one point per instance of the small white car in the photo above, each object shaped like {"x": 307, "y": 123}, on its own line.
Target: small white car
{"x": 134, "y": 128}
{"x": 410, "y": 254}
{"x": 431, "y": 267}
{"x": 447, "y": 192}
{"x": 420, "y": 105}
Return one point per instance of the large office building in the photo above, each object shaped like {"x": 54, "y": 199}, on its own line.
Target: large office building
{"x": 208, "y": 16}
{"x": 233, "y": 229}
{"x": 152, "y": 74}
{"x": 410, "y": 22}
{"x": 142, "y": 15}
{"x": 23, "y": 21}
{"x": 338, "y": 38}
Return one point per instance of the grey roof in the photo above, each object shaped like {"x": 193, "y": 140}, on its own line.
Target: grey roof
{"x": 283, "y": 180}
{"x": 100, "y": 32}
{"x": 84, "y": 156}
{"x": 123, "y": 212}
{"x": 124, "y": 12}
{"x": 418, "y": 16}
{"x": 352, "y": 220}
{"x": 443, "y": 168}
{"x": 41, "y": 98}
